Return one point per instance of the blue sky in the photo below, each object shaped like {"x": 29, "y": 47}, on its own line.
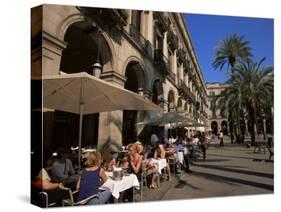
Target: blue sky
{"x": 207, "y": 30}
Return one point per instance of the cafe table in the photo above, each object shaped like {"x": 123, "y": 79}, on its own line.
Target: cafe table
{"x": 161, "y": 163}
{"x": 117, "y": 186}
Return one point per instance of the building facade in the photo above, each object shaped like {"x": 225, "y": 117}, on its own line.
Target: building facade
{"x": 149, "y": 53}
{"x": 217, "y": 120}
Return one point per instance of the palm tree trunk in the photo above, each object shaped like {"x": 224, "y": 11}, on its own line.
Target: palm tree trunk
{"x": 253, "y": 140}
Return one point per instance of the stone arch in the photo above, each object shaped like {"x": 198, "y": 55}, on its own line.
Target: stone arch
{"x": 180, "y": 104}
{"x": 67, "y": 22}
{"x": 112, "y": 65}
{"x": 157, "y": 91}
{"x": 81, "y": 54}
{"x": 214, "y": 127}
{"x": 142, "y": 75}
{"x": 171, "y": 100}
{"x": 77, "y": 17}
{"x": 224, "y": 127}
{"x": 185, "y": 106}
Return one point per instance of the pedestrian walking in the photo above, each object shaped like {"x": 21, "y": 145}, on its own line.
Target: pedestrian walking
{"x": 203, "y": 145}
{"x": 221, "y": 138}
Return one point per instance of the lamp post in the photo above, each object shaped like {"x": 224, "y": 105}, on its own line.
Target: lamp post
{"x": 97, "y": 67}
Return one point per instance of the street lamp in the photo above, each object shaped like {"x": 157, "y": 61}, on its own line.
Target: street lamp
{"x": 97, "y": 67}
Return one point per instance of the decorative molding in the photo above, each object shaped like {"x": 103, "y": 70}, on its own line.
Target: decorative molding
{"x": 113, "y": 76}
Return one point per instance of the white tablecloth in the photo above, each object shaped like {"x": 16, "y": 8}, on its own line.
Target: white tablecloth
{"x": 161, "y": 163}
{"x": 117, "y": 186}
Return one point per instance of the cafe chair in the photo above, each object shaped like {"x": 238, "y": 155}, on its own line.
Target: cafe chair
{"x": 41, "y": 198}
{"x": 45, "y": 199}
{"x": 73, "y": 195}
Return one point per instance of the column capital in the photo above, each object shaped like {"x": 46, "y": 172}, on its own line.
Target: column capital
{"x": 52, "y": 43}
{"x": 115, "y": 77}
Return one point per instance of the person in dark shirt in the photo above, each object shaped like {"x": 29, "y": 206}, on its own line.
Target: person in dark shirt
{"x": 89, "y": 182}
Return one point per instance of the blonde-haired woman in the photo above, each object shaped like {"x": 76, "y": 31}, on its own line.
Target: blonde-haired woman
{"x": 89, "y": 181}
{"x": 134, "y": 160}
{"x": 133, "y": 163}
{"x": 160, "y": 153}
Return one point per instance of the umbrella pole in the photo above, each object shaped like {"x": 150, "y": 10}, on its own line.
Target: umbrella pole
{"x": 80, "y": 135}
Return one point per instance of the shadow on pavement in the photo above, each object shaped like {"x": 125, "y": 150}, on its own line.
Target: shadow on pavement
{"x": 260, "y": 174}
{"x": 211, "y": 160}
{"x": 227, "y": 156}
{"x": 183, "y": 183}
{"x": 224, "y": 179}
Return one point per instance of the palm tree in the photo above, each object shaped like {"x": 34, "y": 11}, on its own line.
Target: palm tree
{"x": 251, "y": 89}
{"x": 231, "y": 50}
{"x": 231, "y": 103}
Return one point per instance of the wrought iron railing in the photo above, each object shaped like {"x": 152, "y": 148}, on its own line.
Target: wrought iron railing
{"x": 160, "y": 57}
{"x": 137, "y": 36}
{"x": 140, "y": 40}
{"x": 161, "y": 61}
{"x": 171, "y": 76}
{"x": 186, "y": 90}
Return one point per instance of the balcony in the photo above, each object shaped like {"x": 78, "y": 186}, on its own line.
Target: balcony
{"x": 106, "y": 17}
{"x": 181, "y": 55}
{"x": 162, "y": 21}
{"x": 140, "y": 40}
{"x": 186, "y": 65}
{"x": 171, "y": 76}
{"x": 186, "y": 91}
{"x": 137, "y": 36}
{"x": 173, "y": 40}
{"x": 161, "y": 61}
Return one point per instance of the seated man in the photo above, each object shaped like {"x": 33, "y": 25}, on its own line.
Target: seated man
{"x": 62, "y": 170}
{"x": 56, "y": 191}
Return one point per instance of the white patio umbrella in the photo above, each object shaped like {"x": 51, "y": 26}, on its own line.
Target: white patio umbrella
{"x": 193, "y": 125}
{"x": 82, "y": 93}
{"x": 168, "y": 118}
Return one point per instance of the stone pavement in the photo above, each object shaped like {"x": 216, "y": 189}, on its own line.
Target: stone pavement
{"x": 228, "y": 171}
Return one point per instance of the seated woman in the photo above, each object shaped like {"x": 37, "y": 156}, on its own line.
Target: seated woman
{"x": 132, "y": 162}
{"x": 160, "y": 153}
{"x": 56, "y": 191}
{"x": 89, "y": 181}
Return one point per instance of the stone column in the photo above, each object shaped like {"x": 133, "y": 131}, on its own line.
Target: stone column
{"x": 174, "y": 63}
{"x": 46, "y": 52}
{"x": 110, "y": 123}
{"x": 52, "y": 49}
{"x": 143, "y": 23}
{"x": 181, "y": 72}
{"x": 147, "y": 25}
{"x": 165, "y": 45}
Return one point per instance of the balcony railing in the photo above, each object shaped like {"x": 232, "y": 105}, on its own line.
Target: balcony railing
{"x": 106, "y": 17}
{"x": 186, "y": 91}
{"x": 162, "y": 20}
{"x": 140, "y": 40}
{"x": 173, "y": 40}
{"x": 161, "y": 60}
{"x": 171, "y": 76}
{"x": 137, "y": 36}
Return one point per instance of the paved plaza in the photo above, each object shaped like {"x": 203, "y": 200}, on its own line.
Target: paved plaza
{"x": 231, "y": 170}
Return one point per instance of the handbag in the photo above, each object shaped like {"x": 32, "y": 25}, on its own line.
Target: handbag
{"x": 37, "y": 183}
